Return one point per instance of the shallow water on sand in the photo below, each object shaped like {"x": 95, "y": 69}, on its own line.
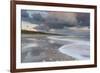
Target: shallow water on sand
{"x": 40, "y": 48}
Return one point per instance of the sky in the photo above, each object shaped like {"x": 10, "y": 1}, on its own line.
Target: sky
{"x": 67, "y": 23}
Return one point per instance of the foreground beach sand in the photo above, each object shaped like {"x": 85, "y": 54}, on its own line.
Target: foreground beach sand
{"x": 38, "y": 48}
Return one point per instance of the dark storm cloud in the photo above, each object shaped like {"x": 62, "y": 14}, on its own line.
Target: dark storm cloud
{"x": 24, "y": 13}
{"x": 83, "y": 19}
{"x": 66, "y": 19}
{"x": 32, "y": 16}
{"x": 57, "y": 20}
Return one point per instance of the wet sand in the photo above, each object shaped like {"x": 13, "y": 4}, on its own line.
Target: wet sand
{"x": 38, "y": 48}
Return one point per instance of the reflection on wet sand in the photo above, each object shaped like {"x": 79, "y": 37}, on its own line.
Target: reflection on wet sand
{"x": 38, "y": 48}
